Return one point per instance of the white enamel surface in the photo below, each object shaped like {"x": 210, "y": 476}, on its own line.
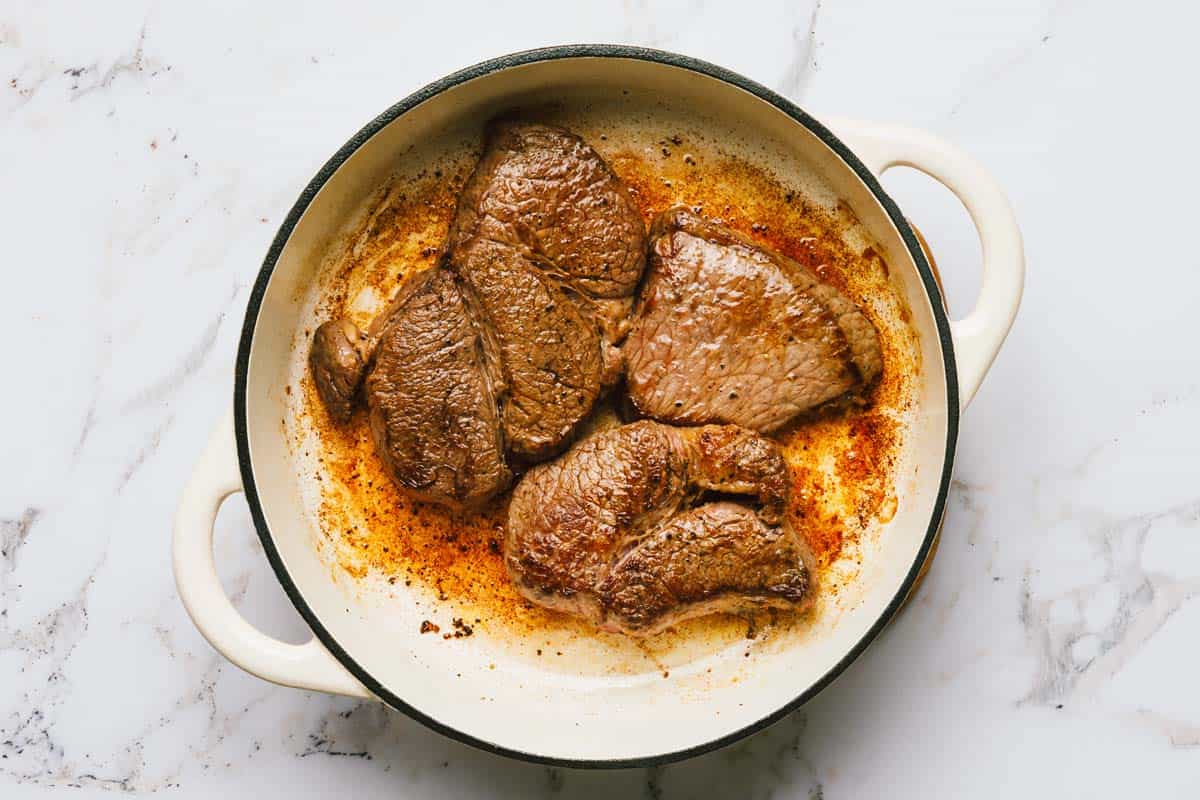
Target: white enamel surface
{"x": 616, "y": 710}
{"x": 1067, "y": 574}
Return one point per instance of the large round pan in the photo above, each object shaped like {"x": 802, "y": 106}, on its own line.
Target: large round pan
{"x": 548, "y": 710}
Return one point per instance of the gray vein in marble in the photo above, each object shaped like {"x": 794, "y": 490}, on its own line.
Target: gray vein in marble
{"x": 31, "y": 755}
{"x": 324, "y": 740}
{"x": 28, "y": 749}
{"x": 134, "y": 63}
{"x": 85, "y": 430}
{"x": 131, "y": 64}
{"x": 351, "y": 732}
{"x": 13, "y": 533}
{"x": 803, "y": 63}
{"x": 963, "y": 494}
{"x": 88, "y": 78}
{"x": 145, "y": 452}
{"x": 977, "y": 80}
{"x": 220, "y": 724}
{"x": 641, "y": 27}
{"x": 195, "y": 357}
{"x": 1146, "y": 601}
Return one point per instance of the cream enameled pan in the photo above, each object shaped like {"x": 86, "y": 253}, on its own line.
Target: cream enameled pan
{"x": 590, "y": 709}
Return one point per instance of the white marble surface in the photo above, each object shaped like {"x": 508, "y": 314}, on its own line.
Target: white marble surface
{"x": 148, "y": 153}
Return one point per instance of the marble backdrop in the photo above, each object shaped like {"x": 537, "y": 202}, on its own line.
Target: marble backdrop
{"x": 148, "y": 153}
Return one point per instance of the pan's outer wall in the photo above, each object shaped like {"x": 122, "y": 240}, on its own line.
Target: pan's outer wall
{"x": 496, "y": 65}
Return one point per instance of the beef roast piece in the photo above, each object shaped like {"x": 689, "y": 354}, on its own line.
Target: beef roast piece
{"x": 728, "y": 331}
{"x": 546, "y": 191}
{"x": 617, "y": 530}
{"x": 431, "y": 398}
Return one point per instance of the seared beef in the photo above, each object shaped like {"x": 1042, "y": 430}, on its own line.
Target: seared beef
{"x": 729, "y": 331}
{"x": 508, "y": 344}
{"x": 546, "y": 192}
{"x": 549, "y": 349}
{"x": 432, "y": 399}
{"x": 553, "y": 246}
{"x": 336, "y": 360}
{"x": 717, "y": 557}
{"x": 611, "y": 532}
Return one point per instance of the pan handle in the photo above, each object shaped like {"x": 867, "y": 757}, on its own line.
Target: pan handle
{"x": 304, "y": 666}
{"x": 979, "y": 335}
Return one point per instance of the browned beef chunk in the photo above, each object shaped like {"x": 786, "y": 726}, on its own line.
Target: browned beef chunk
{"x": 546, "y": 192}
{"x": 618, "y": 529}
{"x": 432, "y": 400}
{"x": 727, "y": 331}
{"x": 336, "y": 360}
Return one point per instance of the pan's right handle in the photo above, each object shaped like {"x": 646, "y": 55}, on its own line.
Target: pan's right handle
{"x": 305, "y": 666}
{"x": 979, "y": 335}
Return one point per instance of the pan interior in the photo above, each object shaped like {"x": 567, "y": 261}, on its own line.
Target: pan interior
{"x": 373, "y": 567}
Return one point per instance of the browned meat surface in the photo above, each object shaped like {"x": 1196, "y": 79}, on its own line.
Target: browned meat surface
{"x": 717, "y": 557}
{"x": 617, "y": 531}
{"x": 727, "y": 331}
{"x": 553, "y": 246}
{"x": 549, "y": 350}
{"x": 547, "y": 192}
{"x": 432, "y": 400}
{"x": 506, "y": 347}
{"x": 336, "y": 360}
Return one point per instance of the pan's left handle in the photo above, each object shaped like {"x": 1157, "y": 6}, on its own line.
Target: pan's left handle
{"x": 305, "y": 666}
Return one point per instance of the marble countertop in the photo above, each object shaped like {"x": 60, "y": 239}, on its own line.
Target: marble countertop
{"x": 147, "y": 155}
